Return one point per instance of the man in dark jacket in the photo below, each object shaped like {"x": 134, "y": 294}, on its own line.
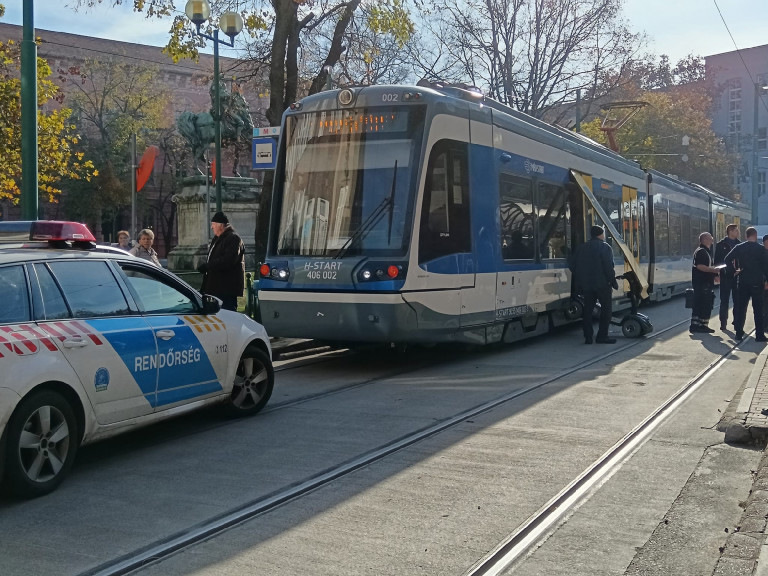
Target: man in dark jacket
{"x": 727, "y": 281}
{"x": 594, "y": 275}
{"x": 749, "y": 263}
{"x": 224, "y": 271}
{"x": 703, "y": 283}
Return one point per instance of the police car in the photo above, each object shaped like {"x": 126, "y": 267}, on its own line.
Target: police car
{"x": 94, "y": 343}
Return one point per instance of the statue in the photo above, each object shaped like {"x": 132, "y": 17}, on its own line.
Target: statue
{"x": 236, "y": 125}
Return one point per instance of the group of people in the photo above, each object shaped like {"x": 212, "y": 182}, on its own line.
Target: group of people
{"x": 142, "y": 249}
{"x": 741, "y": 270}
{"x": 224, "y": 269}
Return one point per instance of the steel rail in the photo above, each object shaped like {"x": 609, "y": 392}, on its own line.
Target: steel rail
{"x": 166, "y": 547}
{"x": 545, "y": 521}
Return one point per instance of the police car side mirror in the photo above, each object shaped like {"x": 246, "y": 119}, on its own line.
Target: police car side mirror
{"x": 211, "y": 305}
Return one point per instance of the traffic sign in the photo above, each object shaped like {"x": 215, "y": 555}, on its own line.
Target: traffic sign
{"x": 267, "y": 131}
{"x": 264, "y": 156}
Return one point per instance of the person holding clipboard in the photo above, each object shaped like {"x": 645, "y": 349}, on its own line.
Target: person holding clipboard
{"x": 703, "y": 275}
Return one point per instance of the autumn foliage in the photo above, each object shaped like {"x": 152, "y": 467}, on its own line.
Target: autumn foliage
{"x": 58, "y": 157}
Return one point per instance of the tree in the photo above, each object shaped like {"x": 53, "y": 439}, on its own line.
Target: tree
{"x": 111, "y": 100}
{"x": 58, "y": 154}
{"x": 654, "y": 136}
{"x": 535, "y": 54}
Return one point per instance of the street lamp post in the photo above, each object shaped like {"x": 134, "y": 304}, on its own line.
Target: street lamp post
{"x": 755, "y": 112}
{"x": 28, "y": 115}
{"x": 198, "y": 11}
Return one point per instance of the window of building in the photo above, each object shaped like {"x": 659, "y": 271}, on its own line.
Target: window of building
{"x": 762, "y": 138}
{"x": 734, "y": 106}
{"x": 761, "y": 183}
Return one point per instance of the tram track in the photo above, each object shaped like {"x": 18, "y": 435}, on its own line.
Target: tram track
{"x": 545, "y": 521}
{"x": 503, "y": 555}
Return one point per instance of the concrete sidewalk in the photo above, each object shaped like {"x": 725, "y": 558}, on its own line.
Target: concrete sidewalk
{"x": 746, "y": 552}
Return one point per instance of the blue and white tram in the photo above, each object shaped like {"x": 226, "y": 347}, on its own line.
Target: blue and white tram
{"x": 431, "y": 214}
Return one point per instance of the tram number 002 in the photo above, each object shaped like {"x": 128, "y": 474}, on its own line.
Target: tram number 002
{"x": 324, "y": 275}
{"x": 389, "y": 97}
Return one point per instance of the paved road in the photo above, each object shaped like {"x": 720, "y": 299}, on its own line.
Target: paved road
{"x": 437, "y": 506}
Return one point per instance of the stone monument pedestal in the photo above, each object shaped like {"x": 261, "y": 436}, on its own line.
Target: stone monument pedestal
{"x": 240, "y": 202}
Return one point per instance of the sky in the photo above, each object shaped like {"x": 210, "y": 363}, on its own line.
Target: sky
{"x": 674, "y": 27}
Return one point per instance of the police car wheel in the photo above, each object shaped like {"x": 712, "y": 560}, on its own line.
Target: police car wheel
{"x": 42, "y": 443}
{"x": 253, "y": 383}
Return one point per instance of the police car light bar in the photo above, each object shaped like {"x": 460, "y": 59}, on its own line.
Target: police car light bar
{"x": 55, "y": 230}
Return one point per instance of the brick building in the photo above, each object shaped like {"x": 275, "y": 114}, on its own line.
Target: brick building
{"x": 188, "y": 83}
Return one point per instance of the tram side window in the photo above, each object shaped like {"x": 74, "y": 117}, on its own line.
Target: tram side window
{"x": 445, "y": 217}
{"x": 689, "y": 238}
{"x": 675, "y": 241}
{"x": 552, "y": 215}
{"x": 516, "y": 203}
{"x": 661, "y": 225}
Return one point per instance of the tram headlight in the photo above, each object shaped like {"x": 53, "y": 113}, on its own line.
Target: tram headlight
{"x": 275, "y": 271}
{"x": 382, "y": 271}
{"x": 346, "y": 97}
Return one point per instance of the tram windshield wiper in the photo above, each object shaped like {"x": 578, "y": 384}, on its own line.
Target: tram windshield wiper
{"x": 385, "y": 206}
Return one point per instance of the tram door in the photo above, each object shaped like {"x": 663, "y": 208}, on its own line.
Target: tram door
{"x": 630, "y": 226}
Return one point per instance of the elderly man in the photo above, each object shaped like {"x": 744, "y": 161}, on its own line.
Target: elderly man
{"x": 224, "y": 271}
{"x": 703, "y": 281}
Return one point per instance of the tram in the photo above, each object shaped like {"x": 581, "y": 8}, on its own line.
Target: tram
{"x": 429, "y": 213}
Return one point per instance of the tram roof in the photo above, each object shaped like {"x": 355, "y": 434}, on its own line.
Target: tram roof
{"x": 522, "y": 123}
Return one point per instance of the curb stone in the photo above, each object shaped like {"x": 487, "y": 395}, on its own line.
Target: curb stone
{"x": 741, "y": 554}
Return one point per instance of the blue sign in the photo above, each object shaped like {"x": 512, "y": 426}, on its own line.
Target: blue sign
{"x": 264, "y": 156}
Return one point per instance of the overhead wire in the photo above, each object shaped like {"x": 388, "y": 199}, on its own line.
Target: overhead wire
{"x": 741, "y": 57}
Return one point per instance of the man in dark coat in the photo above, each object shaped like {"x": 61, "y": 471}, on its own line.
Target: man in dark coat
{"x": 224, "y": 271}
{"x": 727, "y": 281}
{"x": 594, "y": 276}
{"x": 749, "y": 263}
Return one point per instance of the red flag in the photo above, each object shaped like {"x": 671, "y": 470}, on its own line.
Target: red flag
{"x": 146, "y": 164}
{"x": 213, "y": 171}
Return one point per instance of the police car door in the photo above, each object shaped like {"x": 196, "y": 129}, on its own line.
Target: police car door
{"x": 81, "y": 306}
{"x": 191, "y": 347}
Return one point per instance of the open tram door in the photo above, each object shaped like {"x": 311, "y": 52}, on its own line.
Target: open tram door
{"x": 633, "y": 324}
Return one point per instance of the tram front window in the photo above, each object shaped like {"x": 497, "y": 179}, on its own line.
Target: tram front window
{"x": 348, "y": 181}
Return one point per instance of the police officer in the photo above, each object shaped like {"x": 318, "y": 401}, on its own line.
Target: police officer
{"x": 594, "y": 275}
{"x": 703, "y": 282}
{"x": 749, "y": 263}
{"x": 727, "y": 281}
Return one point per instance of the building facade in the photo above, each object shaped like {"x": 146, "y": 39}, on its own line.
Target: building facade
{"x": 187, "y": 83}
{"x": 740, "y": 117}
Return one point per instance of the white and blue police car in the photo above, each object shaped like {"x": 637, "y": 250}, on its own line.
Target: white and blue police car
{"x": 94, "y": 343}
